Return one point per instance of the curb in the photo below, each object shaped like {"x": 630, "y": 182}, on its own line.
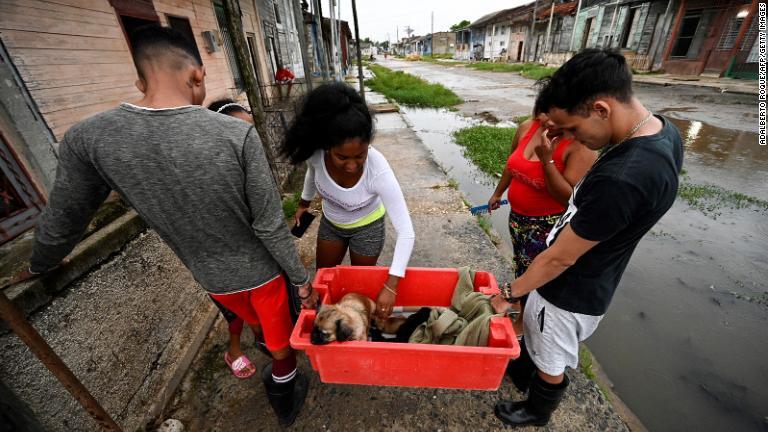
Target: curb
{"x": 714, "y": 86}
{"x": 601, "y": 378}
{"x": 666, "y": 82}
{"x": 157, "y": 409}
{"x": 95, "y": 249}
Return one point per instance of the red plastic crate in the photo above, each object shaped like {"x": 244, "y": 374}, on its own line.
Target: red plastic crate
{"x": 406, "y": 364}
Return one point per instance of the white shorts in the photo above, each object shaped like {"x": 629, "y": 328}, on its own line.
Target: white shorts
{"x": 552, "y": 335}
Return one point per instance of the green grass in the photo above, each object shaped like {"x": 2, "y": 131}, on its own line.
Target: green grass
{"x": 486, "y": 146}
{"x": 436, "y": 60}
{"x": 290, "y": 204}
{"x": 521, "y": 119}
{"x": 529, "y": 70}
{"x": 487, "y": 226}
{"x": 711, "y": 199}
{"x": 410, "y": 90}
{"x": 441, "y": 56}
{"x": 585, "y": 363}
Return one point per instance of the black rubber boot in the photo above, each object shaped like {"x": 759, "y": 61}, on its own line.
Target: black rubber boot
{"x": 286, "y": 398}
{"x": 521, "y": 369}
{"x": 543, "y": 399}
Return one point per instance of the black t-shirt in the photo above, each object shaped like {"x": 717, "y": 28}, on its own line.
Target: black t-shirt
{"x": 624, "y": 194}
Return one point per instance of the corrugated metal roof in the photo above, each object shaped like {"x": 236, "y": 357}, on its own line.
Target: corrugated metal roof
{"x": 560, "y": 9}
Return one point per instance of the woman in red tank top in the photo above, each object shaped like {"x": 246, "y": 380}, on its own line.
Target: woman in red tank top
{"x": 542, "y": 168}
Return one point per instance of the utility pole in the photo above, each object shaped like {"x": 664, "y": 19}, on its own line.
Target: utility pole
{"x": 235, "y": 30}
{"x": 432, "y": 25}
{"x": 359, "y": 52}
{"x": 299, "y": 18}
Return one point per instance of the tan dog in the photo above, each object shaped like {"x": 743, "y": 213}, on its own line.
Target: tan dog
{"x": 347, "y": 320}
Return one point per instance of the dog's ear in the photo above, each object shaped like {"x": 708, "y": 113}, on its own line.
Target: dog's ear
{"x": 343, "y": 331}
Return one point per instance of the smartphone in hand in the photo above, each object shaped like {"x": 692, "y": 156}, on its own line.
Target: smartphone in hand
{"x": 304, "y": 221}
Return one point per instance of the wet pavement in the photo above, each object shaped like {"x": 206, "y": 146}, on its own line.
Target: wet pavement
{"x": 684, "y": 341}
{"x": 508, "y": 95}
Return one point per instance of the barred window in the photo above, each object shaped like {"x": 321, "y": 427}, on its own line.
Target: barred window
{"x": 229, "y": 48}
{"x": 729, "y": 35}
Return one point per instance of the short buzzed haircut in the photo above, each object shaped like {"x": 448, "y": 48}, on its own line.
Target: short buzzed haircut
{"x": 590, "y": 74}
{"x": 153, "y": 43}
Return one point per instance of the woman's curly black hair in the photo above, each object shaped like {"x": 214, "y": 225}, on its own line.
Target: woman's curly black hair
{"x": 328, "y": 116}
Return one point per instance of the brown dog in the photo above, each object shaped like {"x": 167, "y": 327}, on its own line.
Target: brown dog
{"x": 347, "y": 320}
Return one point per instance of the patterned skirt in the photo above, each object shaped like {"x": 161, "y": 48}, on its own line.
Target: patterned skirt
{"x": 529, "y": 237}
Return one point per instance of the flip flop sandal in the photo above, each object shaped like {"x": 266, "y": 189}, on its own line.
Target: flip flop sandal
{"x": 241, "y": 367}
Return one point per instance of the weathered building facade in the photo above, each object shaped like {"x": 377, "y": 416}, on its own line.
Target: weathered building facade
{"x": 463, "y": 49}
{"x": 684, "y": 37}
{"x": 442, "y": 43}
{"x": 715, "y": 37}
{"x": 66, "y": 60}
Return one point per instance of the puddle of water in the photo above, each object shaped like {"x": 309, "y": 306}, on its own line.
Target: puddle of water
{"x": 683, "y": 347}
{"x": 730, "y": 158}
{"x": 435, "y": 128}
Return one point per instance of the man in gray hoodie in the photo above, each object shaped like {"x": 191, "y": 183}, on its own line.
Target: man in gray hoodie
{"x": 202, "y": 181}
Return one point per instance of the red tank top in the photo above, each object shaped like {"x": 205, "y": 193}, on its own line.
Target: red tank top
{"x": 528, "y": 193}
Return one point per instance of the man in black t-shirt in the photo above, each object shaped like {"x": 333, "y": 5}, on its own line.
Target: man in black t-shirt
{"x": 628, "y": 189}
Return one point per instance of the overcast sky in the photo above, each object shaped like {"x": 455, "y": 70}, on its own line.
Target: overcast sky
{"x": 379, "y": 17}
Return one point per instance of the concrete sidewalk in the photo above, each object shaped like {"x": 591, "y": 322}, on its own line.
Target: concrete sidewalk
{"x": 210, "y": 398}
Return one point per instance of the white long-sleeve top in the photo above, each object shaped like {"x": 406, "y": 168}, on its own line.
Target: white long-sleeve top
{"x": 345, "y": 206}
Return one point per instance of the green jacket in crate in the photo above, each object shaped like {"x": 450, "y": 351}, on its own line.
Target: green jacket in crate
{"x": 466, "y": 322}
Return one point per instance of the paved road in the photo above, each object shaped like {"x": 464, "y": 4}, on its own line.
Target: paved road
{"x": 507, "y": 95}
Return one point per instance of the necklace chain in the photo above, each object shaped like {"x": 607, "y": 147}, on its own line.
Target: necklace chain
{"x": 634, "y": 130}
{"x": 637, "y": 127}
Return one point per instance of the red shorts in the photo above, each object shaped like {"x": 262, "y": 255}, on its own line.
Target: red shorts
{"x": 266, "y": 305}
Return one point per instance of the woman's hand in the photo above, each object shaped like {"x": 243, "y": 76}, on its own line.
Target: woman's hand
{"x": 493, "y": 203}
{"x": 302, "y": 207}
{"x": 387, "y": 296}
{"x": 384, "y": 303}
{"x": 544, "y": 148}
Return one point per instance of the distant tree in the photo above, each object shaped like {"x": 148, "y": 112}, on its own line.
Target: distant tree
{"x": 367, "y": 40}
{"x": 460, "y": 25}
{"x": 384, "y": 45}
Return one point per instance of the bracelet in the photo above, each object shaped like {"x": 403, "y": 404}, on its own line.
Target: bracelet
{"x": 390, "y": 289}
{"x": 308, "y": 295}
{"x": 506, "y": 293}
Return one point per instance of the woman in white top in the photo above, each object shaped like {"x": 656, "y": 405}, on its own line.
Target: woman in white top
{"x": 332, "y": 132}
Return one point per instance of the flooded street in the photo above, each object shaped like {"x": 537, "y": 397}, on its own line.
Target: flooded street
{"x": 685, "y": 339}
